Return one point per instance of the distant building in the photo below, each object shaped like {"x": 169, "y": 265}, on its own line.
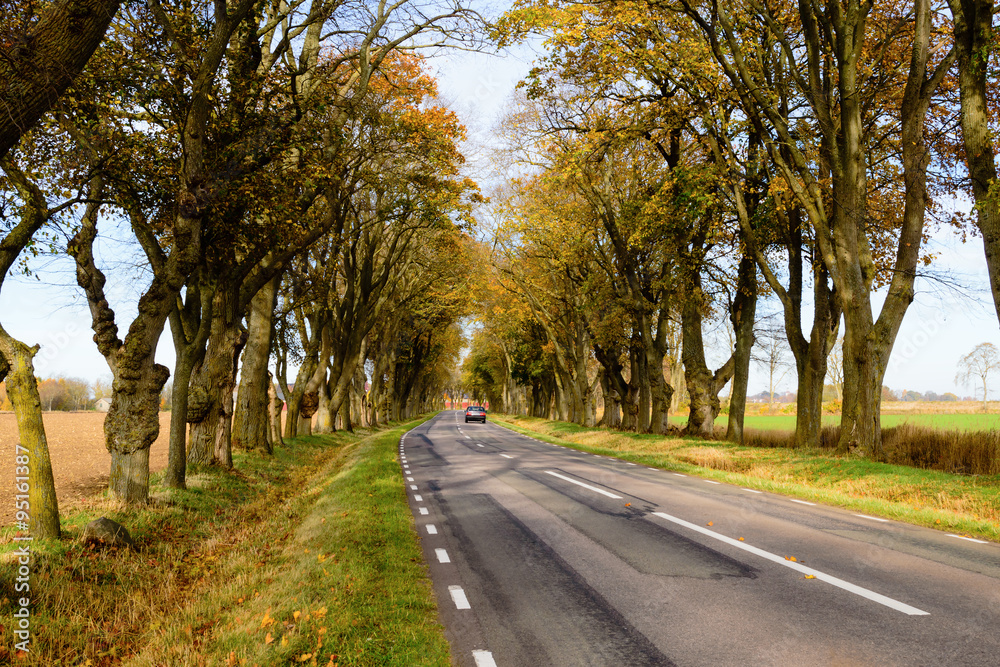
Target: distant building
{"x": 102, "y": 404}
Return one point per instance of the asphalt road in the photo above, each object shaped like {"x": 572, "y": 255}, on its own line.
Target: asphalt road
{"x": 542, "y": 555}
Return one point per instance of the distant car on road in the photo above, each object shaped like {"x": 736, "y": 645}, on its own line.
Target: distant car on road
{"x": 475, "y": 413}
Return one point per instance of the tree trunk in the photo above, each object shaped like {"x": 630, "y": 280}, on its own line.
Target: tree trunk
{"x": 47, "y": 60}
{"x": 974, "y": 43}
{"x": 211, "y": 437}
{"x": 132, "y": 425}
{"x": 174, "y": 476}
{"x": 32, "y": 468}
{"x": 275, "y": 405}
{"x": 251, "y": 415}
{"x": 743, "y": 315}
{"x": 703, "y": 386}
{"x": 325, "y": 419}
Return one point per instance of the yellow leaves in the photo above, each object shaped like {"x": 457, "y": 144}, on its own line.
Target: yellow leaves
{"x": 810, "y": 576}
{"x": 791, "y": 558}
{"x": 320, "y": 613}
{"x": 741, "y": 539}
{"x": 267, "y": 621}
{"x": 320, "y": 558}
{"x": 305, "y": 657}
{"x": 710, "y": 523}
{"x": 295, "y": 615}
{"x": 269, "y": 638}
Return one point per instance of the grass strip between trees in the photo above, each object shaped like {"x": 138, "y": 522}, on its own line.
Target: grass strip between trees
{"x": 307, "y": 557}
{"x": 967, "y": 505}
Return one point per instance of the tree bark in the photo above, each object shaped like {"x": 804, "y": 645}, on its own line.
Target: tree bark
{"x": 974, "y": 43}
{"x": 35, "y": 467}
{"x": 743, "y": 315}
{"x": 703, "y": 386}
{"x": 47, "y": 60}
{"x": 211, "y": 441}
{"x": 251, "y": 421}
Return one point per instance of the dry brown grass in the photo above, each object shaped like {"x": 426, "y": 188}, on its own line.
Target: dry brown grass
{"x": 969, "y": 453}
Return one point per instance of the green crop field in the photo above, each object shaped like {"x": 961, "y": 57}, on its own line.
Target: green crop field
{"x": 959, "y": 422}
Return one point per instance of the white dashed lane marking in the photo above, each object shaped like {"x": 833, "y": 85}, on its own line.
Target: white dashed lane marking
{"x": 432, "y": 529}
{"x": 802, "y": 502}
{"x": 799, "y": 567}
{"x": 752, "y": 490}
{"x": 422, "y": 510}
{"x": 483, "y": 659}
{"x": 507, "y": 456}
{"x": 442, "y": 556}
{"x": 413, "y": 487}
{"x": 710, "y": 481}
{"x": 970, "y": 539}
{"x": 419, "y": 498}
{"x": 584, "y": 485}
{"x": 873, "y": 518}
{"x": 458, "y": 596}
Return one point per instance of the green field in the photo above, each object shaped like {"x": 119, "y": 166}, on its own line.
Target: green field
{"x": 959, "y": 422}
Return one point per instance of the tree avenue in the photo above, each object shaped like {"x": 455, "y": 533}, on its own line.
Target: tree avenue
{"x": 295, "y": 193}
{"x": 804, "y": 145}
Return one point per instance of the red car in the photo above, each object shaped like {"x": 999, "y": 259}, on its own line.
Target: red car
{"x": 475, "y": 413}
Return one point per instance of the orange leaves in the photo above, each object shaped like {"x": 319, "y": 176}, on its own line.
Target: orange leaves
{"x": 269, "y": 638}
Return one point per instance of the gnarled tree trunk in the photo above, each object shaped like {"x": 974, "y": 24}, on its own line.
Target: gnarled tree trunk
{"x": 32, "y": 469}
{"x": 251, "y": 418}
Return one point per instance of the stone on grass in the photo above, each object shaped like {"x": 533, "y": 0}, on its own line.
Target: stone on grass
{"x": 105, "y": 532}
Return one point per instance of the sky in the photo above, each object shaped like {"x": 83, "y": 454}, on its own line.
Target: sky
{"x": 941, "y": 326}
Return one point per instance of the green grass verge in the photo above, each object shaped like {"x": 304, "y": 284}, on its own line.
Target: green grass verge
{"x": 944, "y": 421}
{"x": 967, "y": 505}
{"x": 306, "y": 557}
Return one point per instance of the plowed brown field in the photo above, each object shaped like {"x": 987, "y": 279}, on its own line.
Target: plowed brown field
{"x": 80, "y": 461}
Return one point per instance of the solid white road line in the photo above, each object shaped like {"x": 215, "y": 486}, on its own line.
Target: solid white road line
{"x": 442, "y": 556}
{"x": 799, "y": 567}
{"x": 432, "y": 529}
{"x": 586, "y": 486}
{"x": 419, "y": 498}
{"x": 802, "y": 502}
{"x": 873, "y": 518}
{"x": 970, "y": 539}
{"x": 483, "y": 659}
{"x": 458, "y": 595}
{"x": 422, "y": 510}
{"x": 507, "y": 456}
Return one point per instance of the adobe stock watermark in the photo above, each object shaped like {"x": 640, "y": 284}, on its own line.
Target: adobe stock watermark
{"x": 57, "y": 342}
{"x": 22, "y": 580}
{"x": 906, "y": 349}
